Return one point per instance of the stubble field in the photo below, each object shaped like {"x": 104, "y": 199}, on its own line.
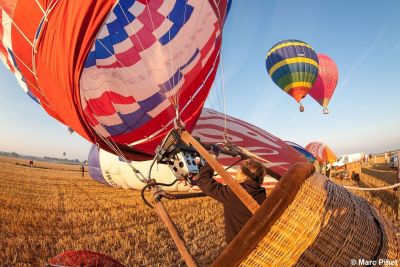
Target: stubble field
{"x": 50, "y": 209}
{"x": 44, "y": 211}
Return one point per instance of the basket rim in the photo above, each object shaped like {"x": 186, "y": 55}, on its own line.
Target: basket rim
{"x": 266, "y": 216}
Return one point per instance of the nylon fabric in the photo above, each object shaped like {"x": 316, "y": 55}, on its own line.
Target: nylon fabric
{"x": 321, "y": 152}
{"x": 133, "y": 77}
{"x": 62, "y": 86}
{"x": 326, "y": 82}
{"x": 54, "y": 52}
{"x": 293, "y": 66}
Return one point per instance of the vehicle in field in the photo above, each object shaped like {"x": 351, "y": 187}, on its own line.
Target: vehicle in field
{"x": 393, "y": 162}
{"x": 343, "y": 160}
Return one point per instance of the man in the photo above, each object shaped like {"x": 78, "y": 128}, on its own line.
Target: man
{"x": 328, "y": 170}
{"x": 250, "y": 176}
{"x": 83, "y": 170}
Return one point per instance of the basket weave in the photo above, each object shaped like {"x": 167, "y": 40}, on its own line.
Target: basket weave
{"x": 325, "y": 225}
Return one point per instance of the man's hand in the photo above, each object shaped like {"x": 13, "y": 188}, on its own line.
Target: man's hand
{"x": 215, "y": 150}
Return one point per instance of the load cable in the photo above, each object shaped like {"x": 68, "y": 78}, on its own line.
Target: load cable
{"x": 372, "y": 188}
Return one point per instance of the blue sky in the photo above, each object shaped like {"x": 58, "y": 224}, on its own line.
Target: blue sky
{"x": 363, "y": 37}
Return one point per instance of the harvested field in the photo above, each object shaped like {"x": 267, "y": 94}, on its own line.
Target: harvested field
{"x": 45, "y": 211}
{"x": 41, "y": 164}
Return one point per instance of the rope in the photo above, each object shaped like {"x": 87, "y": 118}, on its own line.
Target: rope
{"x": 114, "y": 147}
{"x": 183, "y": 109}
{"x": 373, "y": 188}
{"x": 165, "y": 93}
{"x": 226, "y": 139}
{"x": 180, "y": 61}
{"x": 263, "y": 161}
{"x": 174, "y": 94}
{"x": 41, "y": 8}
{"x": 39, "y": 31}
{"x": 218, "y": 97}
{"x": 188, "y": 52}
{"x": 22, "y": 33}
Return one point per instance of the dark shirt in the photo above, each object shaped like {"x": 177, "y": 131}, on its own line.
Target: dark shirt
{"x": 235, "y": 212}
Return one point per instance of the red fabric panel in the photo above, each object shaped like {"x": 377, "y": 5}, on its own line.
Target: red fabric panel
{"x": 104, "y": 105}
{"x": 71, "y": 30}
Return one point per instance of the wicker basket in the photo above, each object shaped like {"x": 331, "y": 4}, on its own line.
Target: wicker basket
{"x": 322, "y": 224}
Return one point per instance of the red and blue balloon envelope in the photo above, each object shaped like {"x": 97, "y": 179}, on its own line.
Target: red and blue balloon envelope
{"x": 326, "y": 82}
{"x": 115, "y": 72}
{"x": 293, "y": 66}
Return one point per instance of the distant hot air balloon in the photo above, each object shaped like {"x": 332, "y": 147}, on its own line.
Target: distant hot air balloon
{"x": 64, "y": 153}
{"x": 321, "y": 151}
{"x": 310, "y": 157}
{"x": 293, "y": 66}
{"x": 326, "y": 82}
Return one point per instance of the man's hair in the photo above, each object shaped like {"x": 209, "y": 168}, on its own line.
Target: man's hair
{"x": 253, "y": 170}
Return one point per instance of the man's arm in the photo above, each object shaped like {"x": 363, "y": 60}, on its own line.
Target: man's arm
{"x": 212, "y": 188}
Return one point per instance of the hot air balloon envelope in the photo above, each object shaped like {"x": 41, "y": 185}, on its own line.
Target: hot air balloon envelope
{"x": 325, "y": 84}
{"x": 293, "y": 66}
{"x": 321, "y": 151}
{"x": 117, "y": 72}
{"x": 310, "y": 157}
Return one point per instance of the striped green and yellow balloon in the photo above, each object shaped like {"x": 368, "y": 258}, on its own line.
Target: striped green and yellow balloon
{"x": 293, "y": 66}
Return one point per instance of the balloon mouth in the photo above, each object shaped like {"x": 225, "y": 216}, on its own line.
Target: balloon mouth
{"x": 298, "y": 93}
